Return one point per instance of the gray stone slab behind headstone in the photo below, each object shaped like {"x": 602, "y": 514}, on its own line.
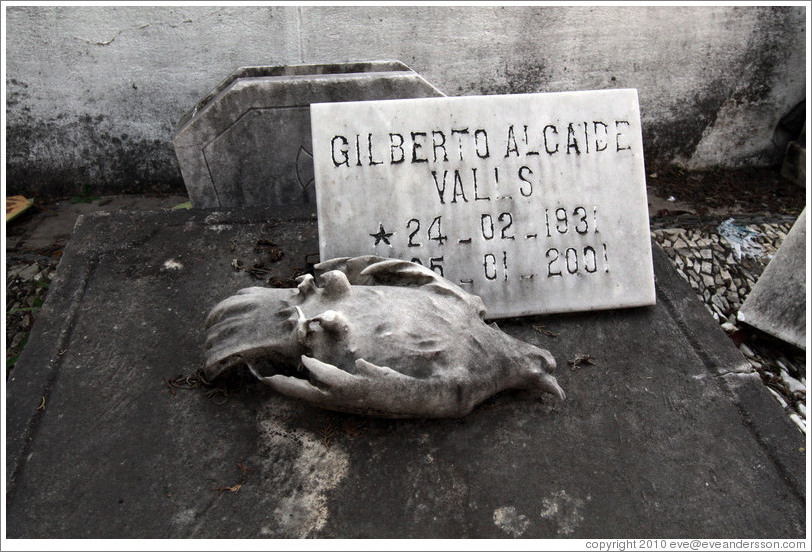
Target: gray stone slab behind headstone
{"x": 777, "y": 304}
{"x": 663, "y": 435}
{"x": 248, "y": 141}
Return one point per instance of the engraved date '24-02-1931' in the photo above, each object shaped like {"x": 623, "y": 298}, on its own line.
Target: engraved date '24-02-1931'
{"x": 583, "y": 259}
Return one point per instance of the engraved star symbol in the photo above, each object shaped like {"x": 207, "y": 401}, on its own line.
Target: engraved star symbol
{"x": 382, "y": 235}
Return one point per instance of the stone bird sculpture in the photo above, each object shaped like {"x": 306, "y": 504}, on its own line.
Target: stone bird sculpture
{"x": 374, "y": 336}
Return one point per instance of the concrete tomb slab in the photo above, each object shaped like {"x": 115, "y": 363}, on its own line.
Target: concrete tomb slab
{"x": 663, "y": 432}
{"x": 777, "y": 303}
{"x": 535, "y": 202}
{"x": 248, "y": 142}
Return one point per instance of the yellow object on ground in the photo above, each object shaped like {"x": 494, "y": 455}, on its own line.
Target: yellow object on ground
{"x": 16, "y": 205}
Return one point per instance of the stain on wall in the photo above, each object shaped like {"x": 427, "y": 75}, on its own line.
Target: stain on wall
{"x": 766, "y": 90}
{"x": 60, "y": 158}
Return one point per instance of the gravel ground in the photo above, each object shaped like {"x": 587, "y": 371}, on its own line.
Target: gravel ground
{"x": 27, "y": 285}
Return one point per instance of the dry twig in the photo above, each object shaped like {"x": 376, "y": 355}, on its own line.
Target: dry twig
{"x": 543, "y": 330}
{"x": 236, "y": 487}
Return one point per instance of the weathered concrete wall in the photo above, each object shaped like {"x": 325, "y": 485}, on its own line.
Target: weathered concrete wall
{"x": 93, "y": 93}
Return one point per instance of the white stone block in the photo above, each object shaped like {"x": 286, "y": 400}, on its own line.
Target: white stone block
{"x": 778, "y": 301}
{"x": 534, "y": 202}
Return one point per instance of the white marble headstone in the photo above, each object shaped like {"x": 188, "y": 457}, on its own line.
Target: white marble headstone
{"x": 535, "y": 202}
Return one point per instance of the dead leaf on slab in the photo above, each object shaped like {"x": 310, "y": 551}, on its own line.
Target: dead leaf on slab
{"x": 581, "y": 359}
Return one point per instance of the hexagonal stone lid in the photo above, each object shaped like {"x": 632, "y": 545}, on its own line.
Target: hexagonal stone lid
{"x": 248, "y": 141}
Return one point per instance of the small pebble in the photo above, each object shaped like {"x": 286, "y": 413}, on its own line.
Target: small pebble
{"x": 746, "y": 351}
{"x": 777, "y": 396}
{"x": 794, "y": 385}
{"x": 798, "y": 421}
{"x": 27, "y": 274}
{"x": 17, "y": 339}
